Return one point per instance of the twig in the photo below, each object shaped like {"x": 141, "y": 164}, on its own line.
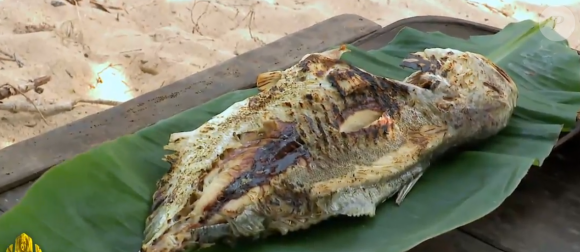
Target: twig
{"x": 104, "y": 7}
{"x": 76, "y": 4}
{"x": 99, "y": 80}
{"x": 111, "y": 65}
{"x": 29, "y": 100}
{"x": 32, "y": 28}
{"x": 251, "y": 16}
{"x": 253, "y": 19}
{"x": 53, "y": 109}
{"x": 13, "y": 57}
{"x": 196, "y": 22}
{"x": 8, "y": 90}
{"x": 128, "y": 51}
{"x": 99, "y": 6}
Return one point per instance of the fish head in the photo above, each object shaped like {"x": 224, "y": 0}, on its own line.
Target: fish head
{"x": 226, "y": 184}
{"x": 232, "y": 198}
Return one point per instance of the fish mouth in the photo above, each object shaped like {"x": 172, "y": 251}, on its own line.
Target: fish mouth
{"x": 242, "y": 175}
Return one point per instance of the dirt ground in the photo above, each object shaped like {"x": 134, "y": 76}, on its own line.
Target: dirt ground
{"x": 78, "y": 59}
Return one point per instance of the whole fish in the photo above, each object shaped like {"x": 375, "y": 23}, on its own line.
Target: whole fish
{"x": 321, "y": 139}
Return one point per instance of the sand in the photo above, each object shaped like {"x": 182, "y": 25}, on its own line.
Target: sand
{"x": 137, "y": 46}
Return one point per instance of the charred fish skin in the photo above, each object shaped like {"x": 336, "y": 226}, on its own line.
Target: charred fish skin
{"x": 322, "y": 138}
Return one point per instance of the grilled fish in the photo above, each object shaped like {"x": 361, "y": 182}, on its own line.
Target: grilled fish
{"x": 321, "y": 139}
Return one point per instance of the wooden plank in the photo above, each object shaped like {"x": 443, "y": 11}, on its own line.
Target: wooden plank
{"x": 451, "y": 26}
{"x": 562, "y": 165}
{"x": 10, "y": 198}
{"x": 26, "y": 160}
{"x": 454, "y": 241}
{"x": 543, "y": 214}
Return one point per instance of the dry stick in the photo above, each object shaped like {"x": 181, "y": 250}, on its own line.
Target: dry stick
{"x": 12, "y": 57}
{"x": 196, "y": 22}
{"x": 99, "y": 6}
{"x": 29, "y": 100}
{"x": 128, "y": 51}
{"x": 80, "y": 20}
{"x": 8, "y": 90}
{"x": 53, "y": 108}
{"x": 104, "y": 7}
{"x": 111, "y": 65}
{"x": 251, "y": 16}
{"x": 73, "y": 2}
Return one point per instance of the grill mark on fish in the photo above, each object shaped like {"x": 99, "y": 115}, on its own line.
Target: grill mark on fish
{"x": 272, "y": 159}
{"x": 315, "y": 128}
{"x": 249, "y": 146}
{"x": 315, "y": 63}
{"x": 385, "y": 96}
{"x": 492, "y": 87}
{"x": 319, "y": 117}
{"x": 417, "y": 62}
{"x": 352, "y": 101}
{"x": 385, "y": 91}
{"x": 499, "y": 70}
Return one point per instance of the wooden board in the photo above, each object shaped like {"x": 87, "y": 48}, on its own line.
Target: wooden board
{"x": 454, "y": 241}
{"x": 451, "y": 26}
{"x": 10, "y": 198}
{"x": 543, "y": 214}
{"x": 563, "y": 164}
{"x": 27, "y": 160}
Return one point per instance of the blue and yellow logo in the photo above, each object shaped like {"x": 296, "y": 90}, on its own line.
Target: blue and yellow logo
{"x": 23, "y": 243}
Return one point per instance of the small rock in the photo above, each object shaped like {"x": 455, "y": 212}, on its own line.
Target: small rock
{"x": 55, "y": 3}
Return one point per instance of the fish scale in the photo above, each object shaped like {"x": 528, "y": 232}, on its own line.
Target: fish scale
{"x": 322, "y": 139}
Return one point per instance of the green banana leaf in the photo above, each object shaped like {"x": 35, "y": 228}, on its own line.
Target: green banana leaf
{"x": 99, "y": 200}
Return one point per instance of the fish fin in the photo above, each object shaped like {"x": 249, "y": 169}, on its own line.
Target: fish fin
{"x": 267, "y": 80}
{"x": 354, "y": 203}
{"x": 427, "y": 137}
{"x": 404, "y": 191}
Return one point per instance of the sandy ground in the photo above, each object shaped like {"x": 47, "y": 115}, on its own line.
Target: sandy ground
{"x": 131, "y": 47}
